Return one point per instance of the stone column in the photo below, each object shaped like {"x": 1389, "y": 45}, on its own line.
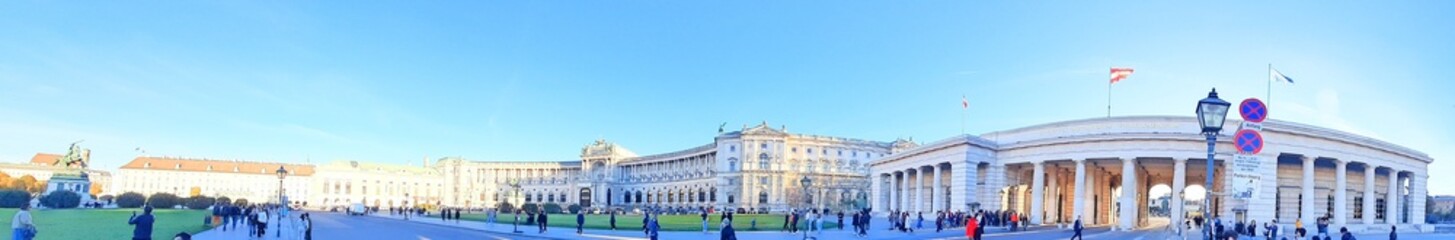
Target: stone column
{"x": 935, "y": 190}
{"x": 1078, "y": 202}
{"x": 1417, "y": 197}
{"x": 1088, "y": 216}
{"x": 1306, "y": 209}
{"x": 1368, "y": 195}
{"x": 1391, "y": 202}
{"x": 919, "y": 190}
{"x": 1341, "y": 206}
{"x": 1053, "y": 185}
{"x": 1127, "y": 217}
{"x": 1038, "y": 193}
{"x": 1179, "y": 183}
{"x": 893, "y": 192}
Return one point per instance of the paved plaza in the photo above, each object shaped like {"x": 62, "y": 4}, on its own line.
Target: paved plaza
{"x": 339, "y": 226}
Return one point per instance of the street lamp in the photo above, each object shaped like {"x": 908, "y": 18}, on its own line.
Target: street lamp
{"x": 1211, "y": 114}
{"x": 282, "y": 173}
{"x": 805, "y": 182}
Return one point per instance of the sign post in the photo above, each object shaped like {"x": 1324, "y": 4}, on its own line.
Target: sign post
{"x": 1245, "y": 177}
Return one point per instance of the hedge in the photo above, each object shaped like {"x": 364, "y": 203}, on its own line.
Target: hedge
{"x": 130, "y": 200}
{"x": 14, "y": 198}
{"x": 61, "y": 199}
{"x": 164, "y": 200}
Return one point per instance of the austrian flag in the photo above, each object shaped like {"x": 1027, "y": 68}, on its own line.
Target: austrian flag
{"x": 1117, "y": 74}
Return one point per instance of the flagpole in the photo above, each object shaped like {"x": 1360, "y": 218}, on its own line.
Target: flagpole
{"x": 1108, "y": 98}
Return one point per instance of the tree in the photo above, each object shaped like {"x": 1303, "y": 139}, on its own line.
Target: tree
{"x": 37, "y": 187}
{"x": 196, "y": 191}
{"x": 505, "y": 207}
{"x": 26, "y": 183}
{"x": 574, "y": 208}
{"x": 5, "y": 180}
{"x": 529, "y": 207}
{"x": 240, "y": 202}
{"x": 130, "y": 200}
{"x": 96, "y": 188}
{"x": 1430, "y": 209}
{"x": 200, "y": 202}
{"x": 164, "y": 200}
{"x": 14, "y": 198}
{"x": 61, "y": 199}
{"x": 552, "y": 207}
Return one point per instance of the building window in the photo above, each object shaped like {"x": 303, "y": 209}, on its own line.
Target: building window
{"x": 763, "y": 180}
{"x": 763, "y": 197}
{"x": 732, "y": 148}
{"x": 1379, "y": 208}
{"x": 795, "y": 149}
{"x": 764, "y": 146}
{"x": 732, "y": 164}
{"x": 1359, "y": 207}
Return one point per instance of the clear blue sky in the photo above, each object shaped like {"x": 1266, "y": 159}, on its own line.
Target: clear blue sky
{"x": 536, "y": 80}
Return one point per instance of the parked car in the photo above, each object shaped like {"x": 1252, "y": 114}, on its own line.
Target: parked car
{"x": 357, "y": 209}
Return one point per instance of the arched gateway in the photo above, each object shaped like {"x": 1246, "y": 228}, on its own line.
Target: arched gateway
{"x": 1101, "y": 171}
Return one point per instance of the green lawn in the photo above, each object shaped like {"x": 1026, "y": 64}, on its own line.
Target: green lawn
{"x": 741, "y": 222}
{"x": 104, "y": 223}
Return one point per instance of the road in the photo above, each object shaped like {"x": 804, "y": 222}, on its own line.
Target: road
{"x": 339, "y": 226}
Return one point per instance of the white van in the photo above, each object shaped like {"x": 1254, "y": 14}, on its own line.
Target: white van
{"x": 357, "y": 209}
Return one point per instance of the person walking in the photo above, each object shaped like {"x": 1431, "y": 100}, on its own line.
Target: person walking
{"x": 787, "y": 218}
{"x": 1392, "y": 235}
{"x": 970, "y": 228}
{"x": 1076, "y": 226}
{"x": 262, "y": 222}
{"x": 646, "y": 221}
{"x": 143, "y": 229}
{"x": 727, "y": 232}
{"x": 704, "y": 221}
{"x": 308, "y": 226}
{"x": 580, "y": 220}
{"x": 613, "y": 220}
{"x": 1014, "y": 219}
{"x": 841, "y": 221}
{"x": 939, "y": 221}
{"x": 652, "y": 229}
{"x": 542, "y": 220}
{"x": 491, "y": 217}
{"x": 21, "y": 226}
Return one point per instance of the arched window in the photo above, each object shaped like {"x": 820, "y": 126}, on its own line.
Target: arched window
{"x": 732, "y": 164}
{"x": 763, "y": 197}
{"x": 639, "y": 197}
{"x": 730, "y": 198}
{"x": 626, "y": 198}
{"x": 701, "y": 196}
{"x": 713, "y": 195}
{"x": 763, "y": 161}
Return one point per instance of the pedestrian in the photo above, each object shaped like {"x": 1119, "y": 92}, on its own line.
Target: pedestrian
{"x": 216, "y": 215}
{"x": 841, "y": 220}
{"x": 1392, "y": 235}
{"x": 704, "y": 221}
{"x": 262, "y": 222}
{"x": 646, "y": 220}
{"x": 307, "y": 226}
{"x": 613, "y": 220}
{"x": 21, "y": 226}
{"x": 182, "y": 236}
{"x": 727, "y": 230}
{"x": 143, "y": 229}
{"x": 970, "y": 228}
{"x": 580, "y": 220}
{"x": 542, "y": 220}
{"x": 787, "y": 218}
{"x": 919, "y": 222}
{"x": 1076, "y": 226}
{"x": 652, "y": 229}
{"x": 1298, "y": 228}
{"x": 1323, "y": 227}
{"x": 939, "y": 221}
{"x": 1014, "y": 219}
{"x": 491, "y": 217}
{"x": 979, "y": 227}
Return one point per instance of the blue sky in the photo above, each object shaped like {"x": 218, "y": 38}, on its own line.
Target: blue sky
{"x": 536, "y": 80}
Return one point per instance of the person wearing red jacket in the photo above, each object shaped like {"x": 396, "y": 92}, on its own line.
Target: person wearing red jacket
{"x": 971, "y": 228}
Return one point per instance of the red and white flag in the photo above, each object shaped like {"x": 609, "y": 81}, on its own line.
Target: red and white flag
{"x": 964, "y": 103}
{"x": 1117, "y": 74}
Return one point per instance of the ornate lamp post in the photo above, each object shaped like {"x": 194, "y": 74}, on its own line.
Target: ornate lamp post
{"x": 805, "y": 182}
{"x": 282, "y": 173}
{"x": 1211, "y": 113}
{"x": 514, "y": 192}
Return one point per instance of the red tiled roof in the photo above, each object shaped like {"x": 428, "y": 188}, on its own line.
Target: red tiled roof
{"x": 223, "y": 166}
{"x": 45, "y": 159}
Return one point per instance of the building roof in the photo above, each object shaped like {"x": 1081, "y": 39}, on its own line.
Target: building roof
{"x": 226, "y": 166}
{"x": 45, "y": 159}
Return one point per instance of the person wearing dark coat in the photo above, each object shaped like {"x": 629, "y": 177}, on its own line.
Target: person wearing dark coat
{"x": 542, "y": 221}
{"x": 143, "y": 230}
{"x": 727, "y": 231}
{"x": 841, "y": 220}
{"x": 1344, "y": 234}
{"x": 580, "y": 221}
{"x": 1392, "y": 235}
{"x": 613, "y": 220}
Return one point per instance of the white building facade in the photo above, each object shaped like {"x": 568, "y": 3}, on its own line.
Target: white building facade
{"x": 255, "y": 181}
{"x": 341, "y": 183}
{"x": 1101, "y": 171}
{"x": 755, "y": 169}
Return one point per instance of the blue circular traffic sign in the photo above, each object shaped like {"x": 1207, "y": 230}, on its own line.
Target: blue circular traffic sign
{"x": 1248, "y": 141}
{"x": 1253, "y": 110}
